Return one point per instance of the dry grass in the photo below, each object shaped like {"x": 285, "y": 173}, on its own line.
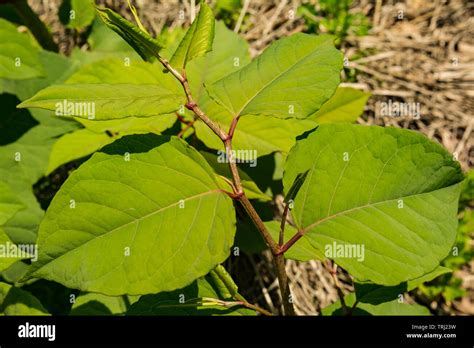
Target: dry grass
{"x": 427, "y": 58}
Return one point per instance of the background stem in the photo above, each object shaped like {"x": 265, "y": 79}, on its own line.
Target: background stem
{"x": 36, "y": 26}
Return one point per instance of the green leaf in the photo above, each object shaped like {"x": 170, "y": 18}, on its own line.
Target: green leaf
{"x": 15, "y": 301}
{"x": 163, "y": 204}
{"x": 117, "y": 71}
{"x": 390, "y": 194}
{"x": 19, "y": 57}
{"x": 84, "y": 14}
{"x": 97, "y": 134}
{"x": 104, "y": 101}
{"x": 77, "y": 144}
{"x": 229, "y": 53}
{"x": 301, "y": 251}
{"x": 393, "y": 308}
{"x": 291, "y": 79}
{"x": 198, "y": 39}
{"x": 205, "y": 296}
{"x": 346, "y": 105}
{"x": 147, "y": 47}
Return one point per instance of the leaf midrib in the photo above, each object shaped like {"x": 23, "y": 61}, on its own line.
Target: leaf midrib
{"x": 202, "y": 194}
{"x": 368, "y": 205}
{"x": 277, "y": 77}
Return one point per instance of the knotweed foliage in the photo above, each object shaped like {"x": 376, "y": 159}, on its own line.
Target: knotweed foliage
{"x": 171, "y": 136}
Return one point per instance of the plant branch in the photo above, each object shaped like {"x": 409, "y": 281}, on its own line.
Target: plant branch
{"x": 290, "y": 243}
{"x": 284, "y": 216}
{"x": 239, "y": 193}
{"x": 256, "y": 308}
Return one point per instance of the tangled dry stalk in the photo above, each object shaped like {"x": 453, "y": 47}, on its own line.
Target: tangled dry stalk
{"x": 426, "y": 57}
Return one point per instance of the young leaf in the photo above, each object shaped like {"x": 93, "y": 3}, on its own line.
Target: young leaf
{"x": 153, "y": 206}
{"x": 389, "y": 192}
{"x": 147, "y": 47}
{"x": 19, "y": 57}
{"x": 104, "y": 101}
{"x": 291, "y": 79}
{"x": 198, "y": 39}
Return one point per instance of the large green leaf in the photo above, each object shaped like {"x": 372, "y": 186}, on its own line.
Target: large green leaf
{"x": 291, "y": 79}
{"x": 104, "y": 101}
{"x": 117, "y": 71}
{"x": 390, "y": 191}
{"x": 147, "y": 47}
{"x": 19, "y": 57}
{"x": 85, "y": 141}
{"x": 198, "y": 39}
{"x": 164, "y": 204}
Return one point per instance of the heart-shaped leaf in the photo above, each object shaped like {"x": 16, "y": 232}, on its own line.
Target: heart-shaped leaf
{"x": 154, "y": 207}
{"x": 381, "y": 202}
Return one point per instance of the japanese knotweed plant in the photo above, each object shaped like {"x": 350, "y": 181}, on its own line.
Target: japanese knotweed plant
{"x": 150, "y": 214}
